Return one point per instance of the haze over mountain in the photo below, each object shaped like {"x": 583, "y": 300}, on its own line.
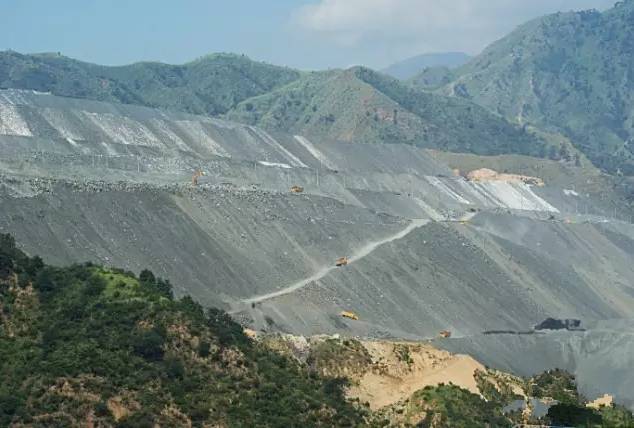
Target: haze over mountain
{"x": 568, "y": 72}
{"x": 410, "y": 67}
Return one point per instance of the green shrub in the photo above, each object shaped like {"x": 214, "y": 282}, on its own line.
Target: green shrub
{"x": 101, "y": 409}
{"x": 573, "y": 415}
{"x": 204, "y": 349}
{"x": 149, "y": 345}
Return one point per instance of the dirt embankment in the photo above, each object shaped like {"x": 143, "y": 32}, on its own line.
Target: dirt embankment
{"x": 400, "y": 368}
{"x": 486, "y": 174}
{"x": 381, "y": 373}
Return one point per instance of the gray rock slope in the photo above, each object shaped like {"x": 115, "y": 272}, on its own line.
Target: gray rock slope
{"x": 601, "y": 357}
{"x": 83, "y": 180}
{"x": 468, "y": 279}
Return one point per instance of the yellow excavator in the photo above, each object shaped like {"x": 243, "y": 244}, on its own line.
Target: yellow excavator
{"x": 349, "y": 315}
{"x": 341, "y": 261}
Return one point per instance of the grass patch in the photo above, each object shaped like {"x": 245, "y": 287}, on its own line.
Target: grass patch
{"x": 119, "y": 285}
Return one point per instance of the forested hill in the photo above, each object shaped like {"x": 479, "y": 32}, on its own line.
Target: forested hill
{"x": 210, "y": 85}
{"x": 568, "y": 72}
{"x": 360, "y": 105}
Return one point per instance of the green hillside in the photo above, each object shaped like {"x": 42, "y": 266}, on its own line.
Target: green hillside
{"x": 571, "y": 73}
{"x": 363, "y": 106}
{"x": 210, "y": 85}
{"x": 89, "y": 346}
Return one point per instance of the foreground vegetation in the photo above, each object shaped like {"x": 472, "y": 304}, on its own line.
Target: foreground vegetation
{"x": 85, "y": 343}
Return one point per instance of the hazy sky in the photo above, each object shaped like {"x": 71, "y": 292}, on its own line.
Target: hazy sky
{"x": 308, "y": 34}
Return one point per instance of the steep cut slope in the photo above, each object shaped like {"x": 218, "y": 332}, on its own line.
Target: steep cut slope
{"x": 571, "y": 72}
{"x": 209, "y": 85}
{"x": 409, "y": 67}
{"x": 360, "y": 105}
{"x": 415, "y": 384}
{"x": 496, "y": 272}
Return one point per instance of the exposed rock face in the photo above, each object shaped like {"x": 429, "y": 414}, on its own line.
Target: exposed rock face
{"x": 606, "y": 400}
{"x": 486, "y": 174}
{"x": 382, "y": 373}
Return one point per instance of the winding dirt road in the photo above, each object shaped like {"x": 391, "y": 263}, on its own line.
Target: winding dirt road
{"x": 356, "y": 256}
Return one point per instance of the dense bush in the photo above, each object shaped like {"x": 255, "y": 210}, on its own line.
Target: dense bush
{"x": 573, "y": 415}
{"x": 557, "y": 384}
{"x": 451, "y": 406}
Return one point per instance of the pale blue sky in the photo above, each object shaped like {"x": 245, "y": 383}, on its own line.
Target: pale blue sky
{"x": 308, "y": 34}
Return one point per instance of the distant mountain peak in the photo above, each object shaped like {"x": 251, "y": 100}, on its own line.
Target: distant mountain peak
{"x": 410, "y": 67}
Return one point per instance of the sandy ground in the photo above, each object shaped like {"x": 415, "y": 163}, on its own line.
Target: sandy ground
{"x": 397, "y": 380}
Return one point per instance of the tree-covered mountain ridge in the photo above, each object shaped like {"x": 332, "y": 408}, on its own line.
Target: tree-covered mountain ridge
{"x": 571, "y": 73}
